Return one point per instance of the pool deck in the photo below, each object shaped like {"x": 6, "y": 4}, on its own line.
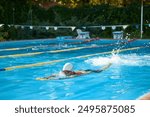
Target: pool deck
{"x": 145, "y": 97}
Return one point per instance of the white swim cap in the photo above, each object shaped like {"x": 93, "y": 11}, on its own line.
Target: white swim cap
{"x": 68, "y": 66}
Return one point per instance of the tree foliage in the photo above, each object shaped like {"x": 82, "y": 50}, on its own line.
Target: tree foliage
{"x": 70, "y": 12}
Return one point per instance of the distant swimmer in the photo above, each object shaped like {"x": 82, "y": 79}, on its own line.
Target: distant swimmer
{"x": 67, "y": 72}
{"x": 145, "y": 97}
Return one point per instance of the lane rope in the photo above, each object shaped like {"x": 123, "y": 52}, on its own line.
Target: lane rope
{"x": 28, "y": 47}
{"x": 12, "y": 49}
{"x": 58, "y": 51}
{"x": 52, "y": 51}
{"x": 60, "y": 60}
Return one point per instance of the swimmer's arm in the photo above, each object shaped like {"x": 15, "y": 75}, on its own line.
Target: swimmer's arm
{"x": 101, "y": 69}
{"x": 81, "y": 72}
{"x": 105, "y": 67}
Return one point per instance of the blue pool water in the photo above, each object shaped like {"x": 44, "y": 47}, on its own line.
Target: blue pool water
{"x": 127, "y": 78}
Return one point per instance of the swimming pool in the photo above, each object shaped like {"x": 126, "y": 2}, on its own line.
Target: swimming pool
{"x": 127, "y": 78}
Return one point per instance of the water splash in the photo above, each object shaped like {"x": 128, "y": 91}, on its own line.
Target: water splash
{"x": 116, "y": 59}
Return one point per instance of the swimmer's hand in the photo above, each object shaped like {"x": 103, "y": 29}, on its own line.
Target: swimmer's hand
{"x": 106, "y": 66}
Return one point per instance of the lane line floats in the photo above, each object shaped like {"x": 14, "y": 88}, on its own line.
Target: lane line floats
{"x": 11, "y": 49}
{"x": 52, "y": 51}
{"x": 62, "y": 50}
{"x": 27, "y": 47}
{"x": 60, "y": 60}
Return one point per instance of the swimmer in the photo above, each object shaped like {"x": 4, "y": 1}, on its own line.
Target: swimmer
{"x": 68, "y": 72}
